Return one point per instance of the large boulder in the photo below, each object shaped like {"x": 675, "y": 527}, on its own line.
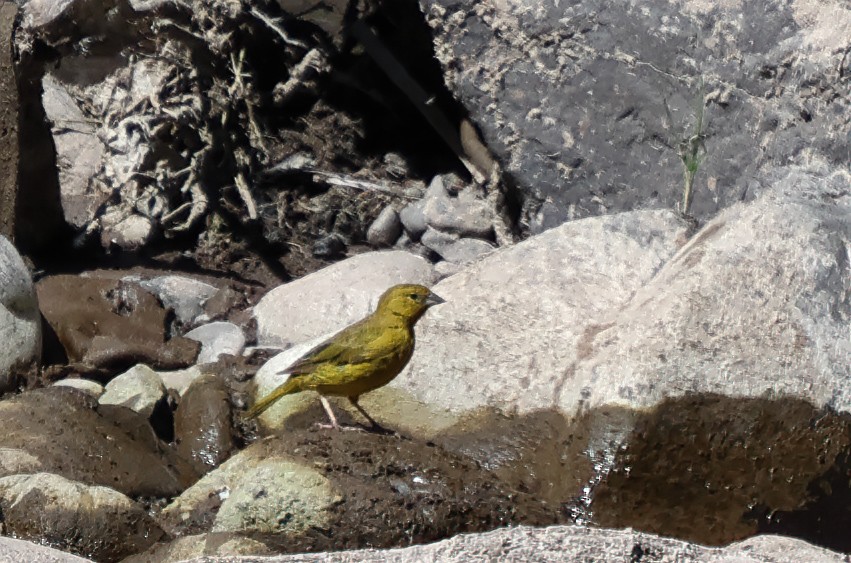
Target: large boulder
{"x": 589, "y": 104}
{"x": 20, "y": 322}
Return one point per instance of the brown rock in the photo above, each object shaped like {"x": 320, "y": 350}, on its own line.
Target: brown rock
{"x": 85, "y": 446}
{"x": 110, "y": 324}
{"x": 202, "y": 424}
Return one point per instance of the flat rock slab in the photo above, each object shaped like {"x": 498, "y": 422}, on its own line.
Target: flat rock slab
{"x": 569, "y": 543}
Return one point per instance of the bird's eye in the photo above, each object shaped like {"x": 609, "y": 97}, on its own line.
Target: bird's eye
{"x": 415, "y": 297}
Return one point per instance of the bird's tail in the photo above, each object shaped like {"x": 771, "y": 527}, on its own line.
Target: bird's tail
{"x": 288, "y": 387}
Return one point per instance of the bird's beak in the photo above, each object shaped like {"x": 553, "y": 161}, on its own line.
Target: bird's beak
{"x": 434, "y": 299}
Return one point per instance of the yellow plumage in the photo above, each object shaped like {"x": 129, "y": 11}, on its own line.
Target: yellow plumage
{"x": 361, "y": 357}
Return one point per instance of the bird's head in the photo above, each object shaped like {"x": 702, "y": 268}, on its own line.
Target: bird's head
{"x": 408, "y": 301}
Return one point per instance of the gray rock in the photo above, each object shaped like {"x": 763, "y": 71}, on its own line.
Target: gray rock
{"x": 20, "y": 320}
{"x": 585, "y": 103}
{"x": 201, "y": 545}
{"x": 14, "y": 550}
{"x": 334, "y": 297}
{"x": 438, "y": 241}
{"x": 184, "y": 295}
{"x": 79, "y": 151}
{"x": 256, "y": 493}
{"x": 467, "y": 250}
{"x": 216, "y": 339}
{"x": 465, "y": 215}
{"x": 386, "y": 228}
{"x": 445, "y": 269}
{"x": 180, "y": 380}
{"x": 461, "y": 251}
{"x": 139, "y": 389}
{"x": 759, "y": 296}
{"x": 569, "y": 543}
{"x": 126, "y": 231}
{"x": 93, "y": 388}
{"x": 413, "y": 220}
{"x": 94, "y": 520}
{"x": 17, "y": 460}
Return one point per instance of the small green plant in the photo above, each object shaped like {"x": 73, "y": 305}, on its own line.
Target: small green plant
{"x": 692, "y": 149}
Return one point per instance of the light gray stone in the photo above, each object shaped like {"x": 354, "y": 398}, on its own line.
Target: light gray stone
{"x": 139, "y": 389}
{"x": 257, "y": 493}
{"x": 15, "y": 551}
{"x": 20, "y": 320}
{"x": 126, "y": 231}
{"x": 79, "y": 151}
{"x": 216, "y": 339}
{"x": 413, "y": 220}
{"x": 84, "y": 518}
{"x": 180, "y": 380}
{"x": 93, "y": 388}
{"x": 465, "y": 214}
{"x": 184, "y": 295}
{"x": 201, "y": 545}
{"x": 334, "y": 297}
{"x": 451, "y": 248}
{"x": 760, "y": 296}
{"x": 386, "y": 228}
{"x": 570, "y": 543}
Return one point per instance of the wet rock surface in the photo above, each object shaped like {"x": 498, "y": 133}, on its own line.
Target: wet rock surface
{"x": 87, "y": 447}
{"x": 92, "y": 521}
{"x": 107, "y": 324}
{"x": 353, "y": 487}
{"x": 202, "y": 423}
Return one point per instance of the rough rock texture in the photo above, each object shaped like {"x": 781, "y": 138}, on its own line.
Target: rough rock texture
{"x": 210, "y": 545}
{"x": 81, "y": 438}
{"x": 20, "y": 323}
{"x": 79, "y": 153}
{"x": 180, "y": 380}
{"x": 183, "y": 295}
{"x": 139, "y": 389}
{"x": 334, "y": 297}
{"x": 759, "y": 301}
{"x": 321, "y": 490}
{"x": 569, "y": 543}
{"x": 94, "y": 521}
{"x": 14, "y": 551}
{"x": 586, "y": 103}
{"x": 254, "y": 493}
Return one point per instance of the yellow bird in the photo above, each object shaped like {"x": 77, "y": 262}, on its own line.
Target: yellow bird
{"x": 361, "y": 357}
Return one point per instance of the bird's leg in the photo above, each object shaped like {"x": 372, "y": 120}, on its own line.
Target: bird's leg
{"x": 330, "y": 413}
{"x": 334, "y": 424}
{"x": 375, "y": 426}
{"x": 354, "y": 401}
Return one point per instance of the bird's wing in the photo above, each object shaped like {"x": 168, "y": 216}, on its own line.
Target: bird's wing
{"x": 359, "y": 343}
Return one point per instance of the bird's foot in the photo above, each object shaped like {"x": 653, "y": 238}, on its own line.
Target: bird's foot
{"x": 326, "y": 426}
